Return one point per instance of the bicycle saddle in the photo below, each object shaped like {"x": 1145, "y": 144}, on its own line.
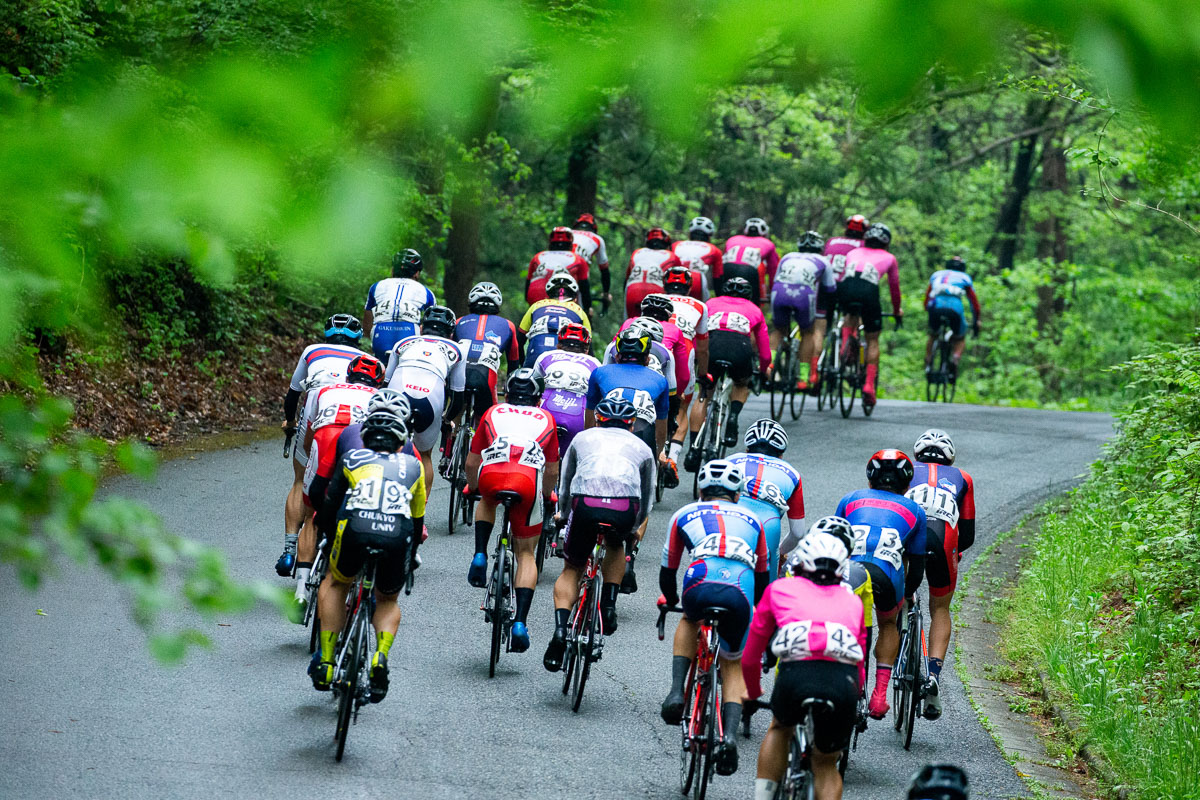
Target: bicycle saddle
{"x": 508, "y": 498}
{"x": 723, "y": 364}
{"x": 713, "y": 614}
{"x": 854, "y": 309}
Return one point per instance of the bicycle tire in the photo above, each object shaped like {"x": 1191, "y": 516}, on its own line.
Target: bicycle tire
{"x": 688, "y": 748}
{"x": 913, "y": 670}
{"x": 948, "y": 386}
{"x": 899, "y": 696}
{"x": 350, "y": 691}
{"x": 777, "y": 389}
{"x": 708, "y": 755}
{"x": 498, "y": 580}
{"x": 845, "y": 393}
{"x": 660, "y": 485}
{"x": 314, "y": 636}
{"x": 591, "y": 615}
{"x": 830, "y": 376}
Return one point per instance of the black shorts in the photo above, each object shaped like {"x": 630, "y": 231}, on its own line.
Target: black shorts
{"x": 860, "y": 297}
{"x": 584, "y": 525}
{"x": 941, "y": 557}
{"x": 955, "y": 321}
{"x": 882, "y": 588}
{"x": 743, "y": 271}
{"x": 824, "y": 680}
{"x": 733, "y": 348}
{"x": 480, "y": 386}
{"x": 348, "y": 552}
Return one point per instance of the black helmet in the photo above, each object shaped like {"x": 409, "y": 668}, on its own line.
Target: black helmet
{"x": 811, "y": 242}
{"x": 343, "y": 328}
{"x": 633, "y": 346}
{"x": 615, "y": 412}
{"x": 439, "y": 321}
{"x": 737, "y": 287}
{"x": 406, "y": 264}
{"x": 956, "y": 262}
{"x": 657, "y": 306}
{"x": 524, "y": 387}
{"x": 939, "y": 782}
{"x": 890, "y": 470}
{"x": 878, "y": 233}
{"x": 384, "y": 430}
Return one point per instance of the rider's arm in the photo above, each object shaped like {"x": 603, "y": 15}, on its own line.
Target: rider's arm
{"x": 649, "y": 478}
{"x": 966, "y": 518}
{"x": 762, "y": 566}
{"x": 762, "y": 337}
{"x": 893, "y": 274}
{"x": 762, "y": 626}
{"x": 290, "y": 402}
{"x": 971, "y": 296}
{"x": 585, "y": 288}
{"x": 795, "y": 529}
{"x": 514, "y": 355}
{"x": 914, "y": 572}
{"x": 455, "y": 405}
{"x": 391, "y": 365}
{"x": 565, "y": 476}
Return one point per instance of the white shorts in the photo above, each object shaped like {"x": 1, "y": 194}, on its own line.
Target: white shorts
{"x": 426, "y": 394}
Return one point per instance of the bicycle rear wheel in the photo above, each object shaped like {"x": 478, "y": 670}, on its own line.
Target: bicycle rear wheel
{"x": 689, "y": 749}
{"x": 586, "y": 643}
{"x": 913, "y": 670}
{"x": 500, "y": 592}
{"x": 711, "y": 737}
{"x": 847, "y": 381}
{"x": 778, "y": 388}
{"x": 944, "y": 360}
{"x": 349, "y": 691}
{"x": 796, "y": 397}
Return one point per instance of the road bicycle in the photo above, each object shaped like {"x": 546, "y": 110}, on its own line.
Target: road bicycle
{"x": 312, "y": 587}
{"x": 585, "y": 634}
{"x": 912, "y": 670}
{"x": 787, "y": 371}
{"x": 940, "y": 380}
{"x": 852, "y": 368}
{"x": 829, "y": 368}
{"x": 797, "y": 783}
{"x": 711, "y": 436}
{"x": 351, "y": 683}
{"x": 462, "y": 505}
{"x": 500, "y": 601}
{"x": 547, "y": 539}
{"x": 701, "y": 729}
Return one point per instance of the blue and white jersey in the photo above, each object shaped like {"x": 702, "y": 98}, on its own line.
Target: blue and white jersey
{"x": 886, "y": 527}
{"x": 947, "y": 288}
{"x": 396, "y": 305}
{"x": 772, "y": 492}
{"x": 716, "y": 531}
{"x": 321, "y": 364}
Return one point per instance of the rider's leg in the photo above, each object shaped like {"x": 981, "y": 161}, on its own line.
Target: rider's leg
{"x": 940, "y": 624}
{"x": 777, "y": 335}
{"x": 628, "y": 577}
{"x": 683, "y": 647}
{"x": 485, "y": 520}
{"x": 810, "y": 350}
{"x": 929, "y": 351}
{"x": 849, "y": 324}
{"x": 527, "y": 575}
{"x": 886, "y": 650}
{"x": 331, "y": 602}
{"x": 733, "y": 688}
{"x": 958, "y": 345}
{"x": 386, "y": 619}
{"x": 827, "y": 781}
{"x": 306, "y": 551}
{"x": 427, "y": 465}
{"x": 772, "y": 759}
{"x": 869, "y": 385}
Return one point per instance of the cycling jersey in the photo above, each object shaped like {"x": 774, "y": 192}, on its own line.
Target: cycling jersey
{"x": 703, "y": 257}
{"x": 610, "y": 463}
{"x": 739, "y": 316}
{"x": 947, "y": 494}
{"x": 329, "y": 410}
{"x": 836, "y": 250}
{"x": 589, "y": 246}
{"x": 319, "y": 365}
{"x": 690, "y": 316}
{"x": 801, "y": 277}
{"x": 803, "y": 621}
{"x": 514, "y": 444}
{"x": 887, "y": 528}
{"x": 546, "y": 263}
{"x": 660, "y": 360}
{"x": 944, "y": 298}
{"x": 541, "y": 323}
{"x": 643, "y": 387}
{"x": 753, "y": 251}
{"x": 680, "y": 348}
{"x": 859, "y": 581}
{"x": 644, "y": 276}
{"x": 872, "y": 264}
{"x": 566, "y": 378}
{"x": 772, "y": 491}
{"x": 395, "y": 305}
{"x": 489, "y": 336}
{"x": 424, "y": 368}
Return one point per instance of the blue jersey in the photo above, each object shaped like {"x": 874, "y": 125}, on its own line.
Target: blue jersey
{"x": 947, "y": 287}
{"x": 395, "y": 305}
{"x": 643, "y": 387}
{"x": 542, "y": 322}
{"x": 772, "y": 491}
{"x": 887, "y": 527}
{"x": 490, "y": 337}
{"x": 727, "y": 537}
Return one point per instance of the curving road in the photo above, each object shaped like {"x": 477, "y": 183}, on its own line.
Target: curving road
{"x": 87, "y": 713}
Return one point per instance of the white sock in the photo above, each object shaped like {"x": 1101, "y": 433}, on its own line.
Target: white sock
{"x": 764, "y": 788}
{"x": 301, "y": 579}
{"x": 673, "y": 450}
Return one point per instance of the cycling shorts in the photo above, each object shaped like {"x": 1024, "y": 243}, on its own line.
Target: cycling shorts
{"x": 569, "y": 411}
{"x": 860, "y": 581}
{"x": 385, "y": 334}
{"x": 526, "y": 516}
{"x": 733, "y": 595}
{"x": 860, "y": 296}
{"x": 798, "y": 681}
{"x": 884, "y": 587}
{"x": 588, "y": 514}
{"x": 791, "y": 303}
{"x": 953, "y": 318}
{"x": 427, "y": 396}
{"x": 322, "y": 457}
{"x": 348, "y": 553}
{"x": 646, "y": 432}
{"x": 735, "y": 348}
{"x": 481, "y": 388}
{"x": 941, "y": 557}
{"x": 635, "y": 293}
{"x": 299, "y": 451}
{"x": 538, "y": 346}
{"x": 748, "y": 272}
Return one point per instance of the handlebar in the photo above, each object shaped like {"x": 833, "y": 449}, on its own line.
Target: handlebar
{"x": 287, "y": 441}
{"x": 663, "y": 610}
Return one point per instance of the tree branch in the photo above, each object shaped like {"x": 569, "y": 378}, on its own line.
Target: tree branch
{"x": 987, "y": 148}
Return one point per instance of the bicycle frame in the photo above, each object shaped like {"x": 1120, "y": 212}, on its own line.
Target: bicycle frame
{"x": 911, "y": 669}
{"x": 500, "y": 601}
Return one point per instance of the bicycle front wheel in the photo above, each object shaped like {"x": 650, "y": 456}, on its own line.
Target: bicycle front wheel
{"x": 795, "y": 396}
{"x": 499, "y": 593}
{"x": 913, "y": 672}
{"x": 778, "y": 388}
{"x": 846, "y": 391}
{"x": 351, "y": 667}
{"x": 689, "y": 752}
{"x": 711, "y": 733}
{"x": 586, "y": 643}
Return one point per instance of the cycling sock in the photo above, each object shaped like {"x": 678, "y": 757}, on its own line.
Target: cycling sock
{"x": 679, "y": 670}
{"x": 524, "y": 600}
{"x": 608, "y": 595}
{"x": 385, "y": 642}
{"x": 764, "y": 789}
{"x": 872, "y": 377}
{"x": 935, "y": 667}
{"x": 673, "y": 450}
{"x": 883, "y": 674}
{"x": 328, "y": 643}
{"x": 302, "y": 571}
{"x": 289, "y": 541}
{"x": 483, "y": 532}
{"x": 735, "y": 408}
{"x": 562, "y": 618}
{"x": 731, "y": 715}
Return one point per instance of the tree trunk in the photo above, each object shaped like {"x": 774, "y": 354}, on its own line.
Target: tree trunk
{"x": 1008, "y": 222}
{"x": 1052, "y": 237}
{"x": 582, "y": 173}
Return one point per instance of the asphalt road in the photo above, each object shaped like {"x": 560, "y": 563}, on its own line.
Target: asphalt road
{"x": 87, "y": 713}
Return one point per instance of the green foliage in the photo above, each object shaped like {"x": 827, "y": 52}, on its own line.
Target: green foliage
{"x": 1109, "y": 606}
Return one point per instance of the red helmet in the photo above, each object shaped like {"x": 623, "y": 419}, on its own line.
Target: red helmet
{"x": 856, "y": 223}
{"x": 365, "y": 369}
{"x": 678, "y": 279}
{"x": 561, "y": 236}
{"x": 586, "y": 221}
{"x": 890, "y": 470}
{"x": 658, "y": 239}
{"x": 574, "y": 337}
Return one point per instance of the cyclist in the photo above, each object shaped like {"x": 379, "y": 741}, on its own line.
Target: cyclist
{"x": 329, "y": 410}
{"x": 729, "y": 571}
{"x": 488, "y": 337}
{"x": 607, "y": 479}
{"x": 559, "y": 256}
{"x": 803, "y": 285}
{"x": 947, "y": 494}
{"x": 376, "y": 499}
{"x": 751, "y": 255}
{"x": 814, "y": 624}
{"x": 539, "y": 327}
{"x": 699, "y": 254}
{"x": 857, "y": 577}
{"x": 514, "y": 449}
{"x": 660, "y": 360}
{"x": 837, "y": 247}
{"x": 394, "y": 305}
{"x": 350, "y": 438}
{"x": 944, "y": 302}
{"x": 318, "y": 365}
{"x": 939, "y": 782}
{"x": 889, "y": 540}
{"x": 565, "y": 373}
{"x": 647, "y": 264}
{"x": 589, "y": 245}
{"x": 736, "y": 330}
{"x": 858, "y": 286}
{"x": 691, "y": 317}
{"x": 430, "y": 369}
{"x": 773, "y": 489}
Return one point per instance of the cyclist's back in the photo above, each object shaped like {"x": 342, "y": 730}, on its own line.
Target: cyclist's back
{"x": 887, "y": 527}
{"x": 752, "y": 257}
{"x": 736, "y": 319}
{"x": 646, "y": 389}
{"x": 541, "y": 324}
{"x": 945, "y": 293}
{"x": 868, "y": 266}
{"x": 425, "y": 368}
{"x": 644, "y": 275}
{"x": 947, "y": 494}
{"x": 773, "y": 490}
{"x": 489, "y": 338}
{"x": 566, "y": 376}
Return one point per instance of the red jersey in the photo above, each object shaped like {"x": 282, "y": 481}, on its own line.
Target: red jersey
{"x": 702, "y": 256}
{"x": 545, "y": 264}
{"x": 523, "y": 436}
{"x": 647, "y": 265}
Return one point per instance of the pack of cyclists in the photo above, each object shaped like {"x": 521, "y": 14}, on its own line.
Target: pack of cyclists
{"x": 581, "y": 440}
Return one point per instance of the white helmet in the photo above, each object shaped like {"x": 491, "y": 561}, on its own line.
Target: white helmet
{"x": 560, "y": 281}
{"x": 820, "y": 557}
{"x": 485, "y": 292}
{"x": 834, "y": 526}
{"x": 721, "y": 475}
{"x": 768, "y": 432}
{"x": 934, "y": 445}
{"x": 392, "y": 401}
{"x": 649, "y": 325}
{"x": 756, "y": 226}
{"x": 702, "y": 224}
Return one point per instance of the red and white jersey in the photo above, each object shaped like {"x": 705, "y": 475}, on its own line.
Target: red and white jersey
{"x": 702, "y": 256}
{"x": 590, "y": 247}
{"x": 647, "y": 265}
{"x": 691, "y": 316}
{"x": 338, "y": 404}
{"x": 522, "y": 435}
{"x": 548, "y": 262}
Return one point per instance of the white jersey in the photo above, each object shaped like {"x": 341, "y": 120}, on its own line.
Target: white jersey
{"x": 690, "y": 316}
{"x": 398, "y": 300}
{"x": 564, "y": 371}
{"x": 805, "y": 269}
{"x": 646, "y": 266}
{"x": 320, "y": 364}
{"x": 440, "y": 359}
{"x": 337, "y": 404}
{"x": 590, "y": 247}
{"x": 608, "y": 462}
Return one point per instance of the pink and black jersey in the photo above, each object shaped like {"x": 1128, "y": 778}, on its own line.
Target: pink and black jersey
{"x": 872, "y": 265}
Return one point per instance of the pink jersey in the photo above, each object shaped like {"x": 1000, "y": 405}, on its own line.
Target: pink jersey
{"x": 691, "y": 316}
{"x": 815, "y": 623}
{"x": 680, "y": 348}
{"x": 871, "y": 264}
{"x": 742, "y": 316}
{"x": 755, "y": 251}
{"x": 647, "y": 265}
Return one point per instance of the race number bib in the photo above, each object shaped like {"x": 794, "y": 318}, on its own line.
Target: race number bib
{"x": 643, "y": 403}
{"x": 797, "y": 271}
{"x": 646, "y": 273}
{"x": 514, "y": 451}
{"x": 731, "y": 321}
{"x": 771, "y": 493}
{"x": 489, "y": 356}
{"x": 794, "y": 642}
{"x": 750, "y": 256}
{"x": 380, "y": 494}
{"x": 937, "y": 502}
{"x": 548, "y": 324}
{"x": 686, "y": 326}
{"x": 947, "y": 289}
{"x": 397, "y": 311}
{"x": 718, "y": 545}
{"x": 865, "y": 270}
{"x": 838, "y": 263}
{"x": 568, "y": 378}
{"x": 329, "y": 414}
{"x": 888, "y": 549}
